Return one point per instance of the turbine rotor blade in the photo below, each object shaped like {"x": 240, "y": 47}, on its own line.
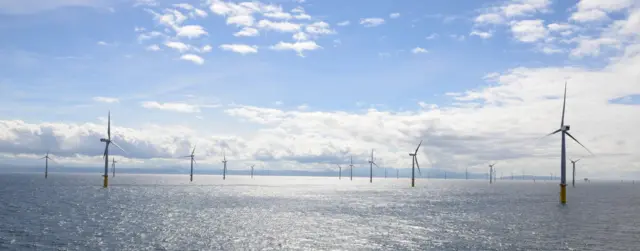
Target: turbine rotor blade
{"x": 114, "y": 143}
{"x": 418, "y": 165}
{"x": 375, "y": 164}
{"x": 568, "y": 134}
{"x": 109, "y": 126}
{"x": 577, "y": 160}
{"x": 564, "y": 103}
{"x": 554, "y": 132}
{"x": 418, "y": 147}
{"x": 194, "y": 149}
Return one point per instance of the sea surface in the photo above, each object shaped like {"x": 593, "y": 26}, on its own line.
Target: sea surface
{"x": 166, "y": 212}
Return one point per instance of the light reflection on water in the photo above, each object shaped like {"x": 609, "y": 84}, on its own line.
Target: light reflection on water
{"x": 166, "y": 212}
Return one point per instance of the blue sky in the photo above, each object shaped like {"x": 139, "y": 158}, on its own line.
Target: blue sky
{"x": 454, "y": 71}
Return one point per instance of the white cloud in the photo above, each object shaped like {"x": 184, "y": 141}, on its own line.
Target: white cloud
{"x": 241, "y": 20}
{"x": 206, "y": 48}
{"x": 371, "y": 22}
{"x": 106, "y": 100}
{"x": 191, "y": 31}
{"x": 279, "y": 26}
{"x": 529, "y": 31}
{"x": 592, "y": 46}
{"x": 193, "y": 58}
{"x": 394, "y": 15}
{"x": 432, "y": 36}
{"x": 298, "y": 47}
{"x": 25, "y": 7}
{"x": 175, "y": 107}
{"x": 511, "y": 9}
{"x": 200, "y": 13}
{"x": 551, "y": 50}
{"x": 319, "y": 28}
{"x": 302, "y": 16}
{"x": 596, "y": 10}
{"x": 300, "y": 36}
{"x": 247, "y": 32}
{"x": 185, "y": 6}
{"x": 181, "y": 47}
{"x": 481, "y": 34}
{"x": 343, "y": 23}
{"x": 278, "y": 15}
{"x": 240, "y": 48}
{"x": 103, "y": 43}
{"x": 559, "y": 27}
{"x": 418, "y": 50}
{"x": 153, "y": 47}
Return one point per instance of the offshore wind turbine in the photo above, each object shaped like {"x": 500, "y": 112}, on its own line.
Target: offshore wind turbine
{"x": 339, "y": 171}
{"x": 573, "y": 181}
{"x": 224, "y": 168}
{"x": 491, "y": 172}
{"x": 46, "y": 164}
{"x": 397, "y": 174}
{"x": 193, "y": 160}
{"x": 252, "y": 170}
{"x": 107, "y": 142}
{"x": 113, "y": 167}
{"x": 371, "y": 163}
{"x": 414, "y": 163}
{"x": 351, "y": 169}
{"x": 563, "y": 151}
{"x": 466, "y": 173}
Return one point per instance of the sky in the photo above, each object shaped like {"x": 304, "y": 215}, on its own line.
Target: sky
{"x": 307, "y": 84}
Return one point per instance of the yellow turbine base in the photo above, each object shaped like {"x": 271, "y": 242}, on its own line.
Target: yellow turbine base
{"x": 563, "y": 193}
{"x": 106, "y": 181}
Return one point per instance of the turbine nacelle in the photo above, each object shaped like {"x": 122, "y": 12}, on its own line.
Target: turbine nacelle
{"x": 104, "y": 140}
{"x": 566, "y": 128}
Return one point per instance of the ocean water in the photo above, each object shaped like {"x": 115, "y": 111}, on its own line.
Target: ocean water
{"x": 166, "y": 212}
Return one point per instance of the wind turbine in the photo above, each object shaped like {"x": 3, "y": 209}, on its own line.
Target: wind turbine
{"x": 193, "y": 160}
{"x": 107, "y": 142}
{"x": 351, "y": 169}
{"x": 224, "y": 169}
{"x": 113, "y": 167}
{"x": 46, "y": 164}
{"x": 252, "y": 170}
{"x": 414, "y": 163}
{"x": 371, "y": 163}
{"x": 573, "y": 181}
{"x": 563, "y": 152}
{"x": 491, "y": 172}
{"x": 466, "y": 173}
{"x": 339, "y": 172}
{"x": 397, "y": 173}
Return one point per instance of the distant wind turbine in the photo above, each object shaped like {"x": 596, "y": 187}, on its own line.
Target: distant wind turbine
{"x": 107, "y": 142}
{"x": 414, "y": 163}
{"x": 252, "y": 171}
{"x": 397, "y": 174}
{"x": 351, "y": 169}
{"x": 466, "y": 173}
{"x": 46, "y": 164}
{"x": 371, "y": 163}
{"x": 563, "y": 158}
{"x": 491, "y": 172}
{"x": 339, "y": 171}
{"x": 224, "y": 169}
{"x": 573, "y": 181}
{"x": 193, "y": 160}
{"x": 113, "y": 167}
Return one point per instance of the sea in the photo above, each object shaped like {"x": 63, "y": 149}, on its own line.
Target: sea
{"x": 167, "y": 212}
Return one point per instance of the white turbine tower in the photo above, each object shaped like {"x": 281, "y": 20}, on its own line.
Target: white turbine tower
{"x": 563, "y": 151}
{"x": 351, "y": 169}
{"x": 107, "y": 142}
{"x": 224, "y": 169}
{"x": 252, "y": 170}
{"x": 193, "y": 160}
{"x": 339, "y": 171}
{"x": 371, "y": 163}
{"x": 491, "y": 172}
{"x": 113, "y": 167}
{"x": 414, "y": 163}
{"x": 573, "y": 162}
{"x": 46, "y": 164}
